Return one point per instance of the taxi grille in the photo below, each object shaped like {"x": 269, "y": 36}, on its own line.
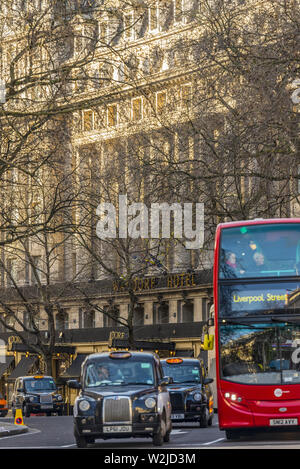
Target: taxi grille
{"x": 46, "y": 399}
{"x": 177, "y": 401}
{"x": 116, "y": 409}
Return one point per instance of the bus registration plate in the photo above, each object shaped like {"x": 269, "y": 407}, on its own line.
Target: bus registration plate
{"x": 280, "y": 422}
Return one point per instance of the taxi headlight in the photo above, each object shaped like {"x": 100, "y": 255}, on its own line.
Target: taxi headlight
{"x": 84, "y": 405}
{"x": 59, "y": 397}
{"x": 197, "y": 396}
{"x": 150, "y": 402}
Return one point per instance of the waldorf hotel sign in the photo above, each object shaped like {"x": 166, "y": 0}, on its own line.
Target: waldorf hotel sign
{"x": 174, "y": 281}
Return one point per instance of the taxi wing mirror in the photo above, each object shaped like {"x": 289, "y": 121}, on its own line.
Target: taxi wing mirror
{"x": 208, "y": 380}
{"x": 166, "y": 381}
{"x": 74, "y": 384}
{"x": 208, "y": 342}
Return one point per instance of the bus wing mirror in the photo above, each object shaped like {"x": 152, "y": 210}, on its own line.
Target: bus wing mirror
{"x": 208, "y": 343}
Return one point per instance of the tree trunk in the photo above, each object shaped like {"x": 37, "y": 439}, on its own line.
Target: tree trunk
{"x": 48, "y": 365}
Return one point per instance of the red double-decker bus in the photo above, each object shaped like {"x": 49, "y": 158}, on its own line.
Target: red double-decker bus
{"x": 257, "y": 324}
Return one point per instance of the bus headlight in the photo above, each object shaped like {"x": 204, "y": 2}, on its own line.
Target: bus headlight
{"x": 233, "y": 397}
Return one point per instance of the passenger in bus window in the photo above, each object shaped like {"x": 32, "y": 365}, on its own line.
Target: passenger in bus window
{"x": 231, "y": 268}
{"x": 260, "y": 262}
{"x": 259, "y": 259}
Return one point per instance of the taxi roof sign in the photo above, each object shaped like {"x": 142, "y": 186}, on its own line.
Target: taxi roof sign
{"x": 174, "y": 361}
{"x": 38, "y": 376}
{"x": 120, "y": 354}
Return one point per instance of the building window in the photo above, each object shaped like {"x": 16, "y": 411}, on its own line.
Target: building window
{"x": 87, "y": 120}
{"x": 154, "y": 17}
{"x": 62, "y": 320}
{"x": 137, "y": 109}
{"x": 86, "y": 318}
{"x": 161, "y": 101}
{"x": 129, "y": 26}
{"x": 110, "y": 316}
{"x": 11, "y": 275}
{"x": 138, "y": 315}
{"x": 178, "y": 10}
{"x": 103, "y": 32}
{"x": 186, "y": 95}
{"x": 29, "y": 320}
{"x": 112, "y": 115}
{"x": 160, "y": 313}
{"x": 185, "y": 312}
{"x": 36, "y": 269}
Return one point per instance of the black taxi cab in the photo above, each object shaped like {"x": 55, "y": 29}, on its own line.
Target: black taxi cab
{"x": 122, "y": 394}
{"x": 35, "y": 395}
{"x": 190, "y": 393}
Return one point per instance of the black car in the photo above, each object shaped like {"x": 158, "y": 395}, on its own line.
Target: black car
{"x": 36, "y": 394}
{"x": 191, "y": 396}
{"x": 122, "y": 394}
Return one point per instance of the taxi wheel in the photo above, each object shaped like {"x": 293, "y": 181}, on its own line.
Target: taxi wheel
{"x": 26, "y": 411}
{"x": 158, "y": 438}
{"x": 204, "y": 418}
{"x": 81, "y": 441}
{"x": 167, "y": 435}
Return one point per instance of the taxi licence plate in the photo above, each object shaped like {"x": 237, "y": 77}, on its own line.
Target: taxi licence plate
{"x": 117, "y": 429}
{"x": 283, "y": 422}
{"x": 46, "y": 406}
{"x": 177, "y": 416}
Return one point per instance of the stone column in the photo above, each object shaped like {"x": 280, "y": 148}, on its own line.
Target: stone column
{"x": 148, "y": 312}
{"x": 198, "y": 312}
{"x": 173, "y": 311}
{"x": 98, "y": 317}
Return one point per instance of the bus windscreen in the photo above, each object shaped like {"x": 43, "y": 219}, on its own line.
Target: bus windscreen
{"x": 263, "y": 250}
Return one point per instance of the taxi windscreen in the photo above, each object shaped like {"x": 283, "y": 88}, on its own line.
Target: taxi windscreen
{"x": 182, "y": 372}
{"x": 40, "y": 384}
{"x": 119, "y": 372}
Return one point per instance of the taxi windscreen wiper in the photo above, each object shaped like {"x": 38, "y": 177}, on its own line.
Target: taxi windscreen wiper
{"x": 188, "y": 381}
{"x": 138, "y": 382}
